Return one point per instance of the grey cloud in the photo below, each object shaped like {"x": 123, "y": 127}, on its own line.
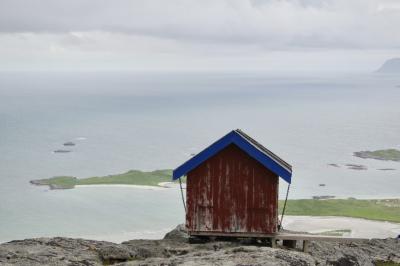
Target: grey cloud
{"x": 271, "y": 23}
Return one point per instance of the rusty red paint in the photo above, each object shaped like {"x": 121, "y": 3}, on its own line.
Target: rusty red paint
{"x": 232, "y": 193}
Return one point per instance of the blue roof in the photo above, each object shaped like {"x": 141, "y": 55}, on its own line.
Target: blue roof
{"x": 245, "y": 143}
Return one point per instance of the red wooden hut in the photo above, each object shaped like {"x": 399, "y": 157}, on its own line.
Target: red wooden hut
{"x": 232, "y": 188}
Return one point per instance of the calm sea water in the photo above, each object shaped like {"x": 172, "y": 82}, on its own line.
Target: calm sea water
{"x": 123, "y": 121}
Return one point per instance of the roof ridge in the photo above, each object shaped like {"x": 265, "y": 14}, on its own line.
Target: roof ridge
{"x": 263, "y": 148}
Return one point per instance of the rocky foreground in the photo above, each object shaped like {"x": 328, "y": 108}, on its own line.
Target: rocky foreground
{"x": 174, "y": 249}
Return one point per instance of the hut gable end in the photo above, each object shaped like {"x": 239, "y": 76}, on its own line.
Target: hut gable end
{"x": 232, "y": 188}
{"x": 254, "y": 149}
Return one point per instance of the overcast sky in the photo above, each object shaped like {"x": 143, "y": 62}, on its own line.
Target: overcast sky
{"x": 198, "y": 35}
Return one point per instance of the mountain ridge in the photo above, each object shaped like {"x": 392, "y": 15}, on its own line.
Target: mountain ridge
{"x": 390, "y": 66}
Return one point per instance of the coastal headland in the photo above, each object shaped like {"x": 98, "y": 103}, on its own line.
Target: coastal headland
{"x": 132, "y": 177}
{"x": 373, "y": 209}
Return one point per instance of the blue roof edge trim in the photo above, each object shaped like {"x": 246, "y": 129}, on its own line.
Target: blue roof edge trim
{"x": 203, "y": 156}
{"x": 243, "y": 144}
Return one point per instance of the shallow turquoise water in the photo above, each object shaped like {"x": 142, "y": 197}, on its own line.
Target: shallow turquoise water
{"x": 123, "y": 121}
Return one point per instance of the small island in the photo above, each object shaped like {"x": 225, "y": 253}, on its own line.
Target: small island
{"x": 356, "y": 166}
{"x": 132, "y": 177}
{"x": 61, "y": 151}
{"x": 391, "y": 66}
{"x": 385, "y": 155}
{"x": 69, "y": 143}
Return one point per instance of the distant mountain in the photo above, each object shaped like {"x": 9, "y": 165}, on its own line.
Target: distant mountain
{"x": 391, "y": 66}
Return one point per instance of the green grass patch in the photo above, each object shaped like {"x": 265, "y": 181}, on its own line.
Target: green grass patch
{"x": 57, "y": 182}
{"x": 380, "y": 210}
{"x": 133, "y": 177}
{"x": 389, "y": 154}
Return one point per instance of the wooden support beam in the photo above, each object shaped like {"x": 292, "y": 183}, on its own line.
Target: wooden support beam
{"x": 273, "y": 242}
{"x": 306, "y": 245}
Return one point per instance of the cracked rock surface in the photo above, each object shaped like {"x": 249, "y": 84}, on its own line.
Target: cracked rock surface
{"x": 174, "y": 249}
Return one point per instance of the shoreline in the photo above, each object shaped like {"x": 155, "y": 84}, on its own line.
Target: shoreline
{"x": 146, "y": 187}
{"x": 160, "y": 186}
{"x": 172, "y": 185}
{"x": 359, "y": 228}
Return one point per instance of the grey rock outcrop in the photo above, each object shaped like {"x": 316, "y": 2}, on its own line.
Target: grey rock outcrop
{"x": 174, "y": 249}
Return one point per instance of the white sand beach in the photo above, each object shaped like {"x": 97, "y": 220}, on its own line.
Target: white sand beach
{"x": 161, "y": 186}
{"x": 171, "y": 185}
{"x": 359, "y": 227}
{"x": 123, "y": 186}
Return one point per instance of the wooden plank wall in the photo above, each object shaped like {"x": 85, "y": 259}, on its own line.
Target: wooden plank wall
{"x": 232, "y": 192}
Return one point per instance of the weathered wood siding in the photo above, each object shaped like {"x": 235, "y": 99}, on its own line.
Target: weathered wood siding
{"x": 232, "y": 192}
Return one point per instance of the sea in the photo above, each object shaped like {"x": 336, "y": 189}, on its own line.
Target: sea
{"x": 157, "y": 120}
